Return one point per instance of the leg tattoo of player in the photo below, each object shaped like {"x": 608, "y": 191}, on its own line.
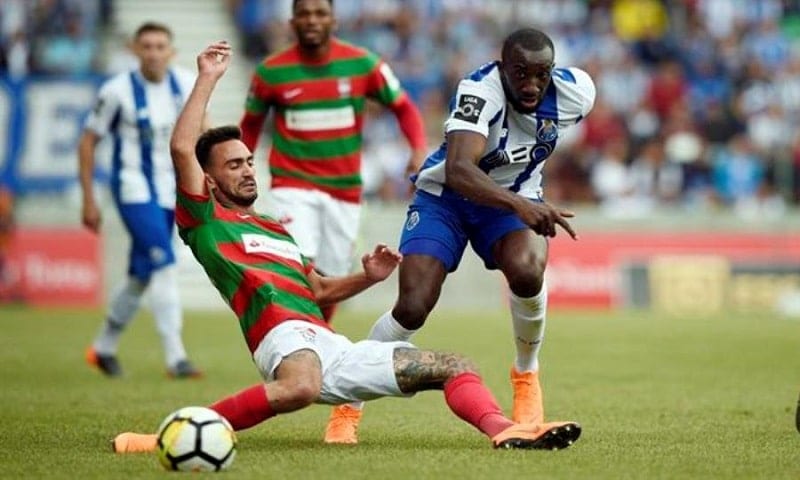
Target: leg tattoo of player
{"x": 418, "y": 370}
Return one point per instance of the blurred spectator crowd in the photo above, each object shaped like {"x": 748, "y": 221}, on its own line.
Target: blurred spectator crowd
{"x": 51, "y": 36}
{"x": 698, "y": 101}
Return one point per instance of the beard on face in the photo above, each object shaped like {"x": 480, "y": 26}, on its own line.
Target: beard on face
{"x": 234, "y": 198}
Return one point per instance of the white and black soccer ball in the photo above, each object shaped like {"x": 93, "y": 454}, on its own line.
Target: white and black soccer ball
{"x": 196, "y": 439}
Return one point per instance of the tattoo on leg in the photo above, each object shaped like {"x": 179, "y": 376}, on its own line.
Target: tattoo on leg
{"x": 418, "y": 370}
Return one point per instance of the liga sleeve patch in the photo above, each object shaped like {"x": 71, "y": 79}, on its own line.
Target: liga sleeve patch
{"x": 469, "y": 108}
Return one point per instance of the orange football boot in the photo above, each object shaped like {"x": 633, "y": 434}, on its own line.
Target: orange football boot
{"x": 343, "y": 425}
{"x": 544, "y": 436}
{"x": 528, "y": 407}
{"x": 130, "y": 442}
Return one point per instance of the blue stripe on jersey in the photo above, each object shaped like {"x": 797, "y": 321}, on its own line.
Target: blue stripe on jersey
{"x": 547, "y": 110}
{"x": 145, "y": 128}
{"x": 482, "y": 71}
{"x": 549, "y": 106}
{"x": 116, "y": 158}
{"x": 434, "y": 158}
{"x": 565, "y": 75}
{"x": 145, "y": 131}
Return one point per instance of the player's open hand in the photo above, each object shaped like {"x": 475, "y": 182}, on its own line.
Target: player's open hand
{"x": 381, "y": 262}
{"x": 214, "y": 60}
{"x": 543, "y": 218}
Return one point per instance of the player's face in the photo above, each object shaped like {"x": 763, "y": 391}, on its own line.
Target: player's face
{"x": 155, "y": 51}
{"x": 313, "y": 22}
{"x": 232, "y": 174}
{"x": 526, "y": 76}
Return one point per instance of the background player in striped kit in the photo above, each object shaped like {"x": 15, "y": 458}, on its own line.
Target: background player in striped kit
{"x": 484, "y": 185}
{"x": 259, "y": 270}
{"x": 138, "y": 109}
{"x": 318, "y": 88}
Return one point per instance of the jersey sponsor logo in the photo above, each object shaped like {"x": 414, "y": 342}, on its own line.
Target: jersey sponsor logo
{"x": 256, "y": 243}
{"x": 290, "y": 94}
{"x": 547, "y": 131}
{"x": 320, "y": 119}
{"x": 469, "y": 108}
{"x": 413, "y": 220}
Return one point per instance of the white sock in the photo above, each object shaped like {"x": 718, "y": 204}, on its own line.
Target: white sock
{"x": 123, "y": 306}
{"x": 387, "y": 329}
{"x": 528, "y": 320}
{"x": 166, "y": 305}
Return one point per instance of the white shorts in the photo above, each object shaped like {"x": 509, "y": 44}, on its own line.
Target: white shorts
{"x": 324, "y": 228}
{"x": 351, "y": 372}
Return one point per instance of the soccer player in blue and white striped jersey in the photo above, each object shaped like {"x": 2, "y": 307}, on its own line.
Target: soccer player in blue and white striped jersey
{"x": 138, "y": 109}
{"x": 483, "y": 186}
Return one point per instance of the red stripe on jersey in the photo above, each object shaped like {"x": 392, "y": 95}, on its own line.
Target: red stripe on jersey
{"x": 234, "y": 216}
{"x": 184, "y": 219}
{"x": 329, "y": 167}
{"x": 318, "y": 89}
{"x": 254, "y": 279}
{"x": 271, "y": 317}
{"x": 352, "y": 195}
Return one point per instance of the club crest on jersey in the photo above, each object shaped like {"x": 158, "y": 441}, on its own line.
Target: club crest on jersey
{"x": 469, "y": 108}
{"x": 547, "y": 131}
{"x": 344, "y": 87}
{"x": 413, "y": 221}
{"x": 308, "y": 334}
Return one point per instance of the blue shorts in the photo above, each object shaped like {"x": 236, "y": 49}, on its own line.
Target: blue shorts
{"x": 442, "y": 226}
{"x": 150, "y": 227}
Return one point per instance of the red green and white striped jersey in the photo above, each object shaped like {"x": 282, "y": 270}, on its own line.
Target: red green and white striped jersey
{"x": 319, "y": 107}
{"x": 252, "y": 261}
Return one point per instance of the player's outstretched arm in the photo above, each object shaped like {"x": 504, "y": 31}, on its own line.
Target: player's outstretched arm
{"x": 378, "y": 265}
{"x": 211, "y": 65}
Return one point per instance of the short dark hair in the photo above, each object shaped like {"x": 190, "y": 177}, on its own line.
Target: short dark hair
{"x": 294, "y": 3}
{"x": 211, "y": 137}
{"x": 527, "y": 38}
{"x": 147, "y": 27}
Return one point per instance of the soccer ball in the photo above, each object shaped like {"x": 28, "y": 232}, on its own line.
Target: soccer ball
{"x": 196, "y": 439}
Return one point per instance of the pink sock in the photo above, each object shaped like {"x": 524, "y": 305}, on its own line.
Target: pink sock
{"x": 246, "y": 408}
{"x": 468, "y": 397}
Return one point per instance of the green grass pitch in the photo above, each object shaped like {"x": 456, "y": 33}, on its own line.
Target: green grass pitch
{"x": 658, "y": 397}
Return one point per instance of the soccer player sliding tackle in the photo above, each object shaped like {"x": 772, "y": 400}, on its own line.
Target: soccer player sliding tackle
{"x": 275, "y": 293}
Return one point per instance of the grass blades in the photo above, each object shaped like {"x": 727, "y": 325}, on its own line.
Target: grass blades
{"x": 658, "y": 397}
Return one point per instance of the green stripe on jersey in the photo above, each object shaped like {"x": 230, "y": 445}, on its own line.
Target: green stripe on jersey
{"x": 343, "y": 181}
{"x": 318, "y": 149}
{"x": 200, "y": 212}
{"x": 351, "y": 67}
{"x": 255, "y": 105}
{"x": 356, "y": 102}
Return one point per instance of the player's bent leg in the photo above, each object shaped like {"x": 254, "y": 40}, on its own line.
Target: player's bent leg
{"x": 543, "y": 436}
{"x": 298, "y": 382}
{"x": 528, "y": 405}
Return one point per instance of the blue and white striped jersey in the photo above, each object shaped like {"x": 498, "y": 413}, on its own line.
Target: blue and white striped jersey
{"x": 140, "y": 115}
{"x": 517, "y": 144}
